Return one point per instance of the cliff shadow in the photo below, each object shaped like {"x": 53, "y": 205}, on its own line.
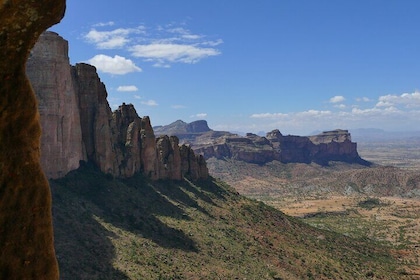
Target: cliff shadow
{"x": 82, "y": 245}
{"x": 175, "y": 193}
{"x": 86, "y": 195}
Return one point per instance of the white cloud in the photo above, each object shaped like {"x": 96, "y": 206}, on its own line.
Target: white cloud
{"x": 212, "y": 43}
{"x": 163, "y": 53}
{"x": 112, "y": 39}
{"x": 117, "y": 65}
{"x": 269, "y": 116}
{"x": 137, "y": 96}
{"x": 102, "y": 24}
{"x": 150, "y": 103}
{"x": 127, "y": 88}
{"x": 161, "y": 46}
{"x": 313, "y": 113}
{"x": 408, "y": 100}
{"x": 200, "y": 115}
{"x": 337, "y": 99}
{"x": 392, "y": 112}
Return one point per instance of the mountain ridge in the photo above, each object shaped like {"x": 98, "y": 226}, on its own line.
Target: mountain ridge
{"x": 333, "y": 145}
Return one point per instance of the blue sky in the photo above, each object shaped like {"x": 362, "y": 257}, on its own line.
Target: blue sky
{"x": 250, "y": 66}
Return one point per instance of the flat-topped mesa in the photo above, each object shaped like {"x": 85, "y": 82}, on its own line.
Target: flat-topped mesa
{"x": 337, "y": 135}
{"x": 78, "y": 124}
{"x": 198, "y": 126}
{"x": 328, "y": 146}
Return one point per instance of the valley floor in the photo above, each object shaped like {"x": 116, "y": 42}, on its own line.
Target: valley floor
{"x": 380, "y": 204}
{"x": 389, "y": 220}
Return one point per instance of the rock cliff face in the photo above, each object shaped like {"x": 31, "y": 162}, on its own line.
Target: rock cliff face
{"x": 328, "y": 146}
{"x": 49, "y": 71}
{"x": 78, "y": 124}
{"x": 96, "y": 118}
{"x": 26, "y": 236}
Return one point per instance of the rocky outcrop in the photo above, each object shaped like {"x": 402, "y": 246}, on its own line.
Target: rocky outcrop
{"x": 78, "y": 124}
{"x": 26, "y": 236}
{"x": 338, "y": 135}
{"x": 168, "y": 158}
{"x": 198, "y": 127}
{"x": 50, "y": 74}
{"x": 335, "y": 145}
{"x": 98, "y": 132}
{"x": 328, "y": 146}
{"x": 192, "y": 166}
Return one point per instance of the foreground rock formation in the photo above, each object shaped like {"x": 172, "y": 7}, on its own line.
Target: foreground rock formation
{"x": 328, "y": 146}
{"x": 78, "y": 124}
{"x": 26, "y": 236}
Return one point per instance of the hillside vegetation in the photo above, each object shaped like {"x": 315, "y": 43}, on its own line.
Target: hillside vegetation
{"x": 379, "y": 203}
{"x": 108, "y": 228}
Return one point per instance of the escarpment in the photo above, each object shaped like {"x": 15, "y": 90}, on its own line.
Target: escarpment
{"x": 26, "y": 236}
{"x": 48, "y": 70}
{"x": 78, "y": 124}
{"x": 335, "y": 145}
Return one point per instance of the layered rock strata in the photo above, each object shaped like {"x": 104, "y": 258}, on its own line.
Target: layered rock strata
{"x": 26, "y": 236}
{"x": 334, "y": 145}
{"x": 78, "y": 124}
{"x": 287, "y": 149}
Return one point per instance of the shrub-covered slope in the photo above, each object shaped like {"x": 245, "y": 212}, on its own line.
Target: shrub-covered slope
{"x": 134, "y": 228}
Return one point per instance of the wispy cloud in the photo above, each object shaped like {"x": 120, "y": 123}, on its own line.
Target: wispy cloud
{"x": 117, "y": 65}
{"x": 172, "y": 53}
{"x": 102, "y": 24}
{"x": 112, "y": 39}
{"x": 137, "y": 96}
{"x": 161, "y": 46}
{"x": 150, "y": 102}
{"x": 269, "y": 116}
{"x": 408, "y": 100}
{"x": 127, "y": 88}
{"x": 391, "y": 111}
{"x": 199, "y": 115}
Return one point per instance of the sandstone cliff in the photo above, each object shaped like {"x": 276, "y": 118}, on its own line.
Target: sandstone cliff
{"x": 335, "y": 145}
{"x": 26, "y": 236}
{"x": 78, "y": 124}
{"x": 49, "y": 71}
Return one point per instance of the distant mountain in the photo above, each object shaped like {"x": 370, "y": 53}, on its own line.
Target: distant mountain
{"x": 179, "y": 127}
{"x": 335, "y": 145}
{"x": 380, "y": 135}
